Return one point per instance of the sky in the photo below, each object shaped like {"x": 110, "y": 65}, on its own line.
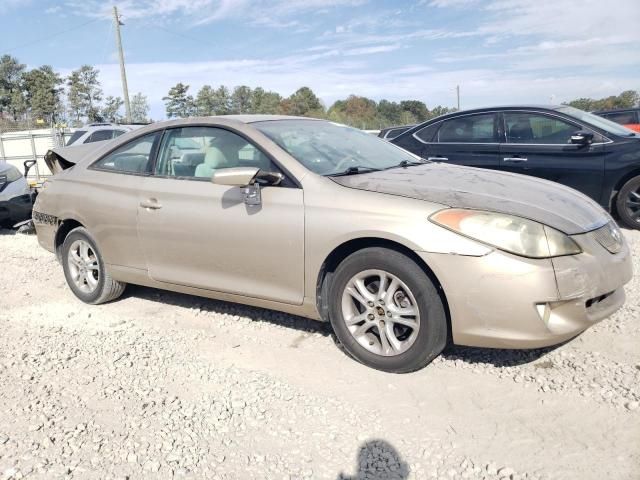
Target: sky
{"x": 498, "y": 51}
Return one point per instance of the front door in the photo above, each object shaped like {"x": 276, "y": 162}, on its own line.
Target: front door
{"x": 203, "y": 235}
{"x": 540, "y": 145}
{"x": 470, "y": 140}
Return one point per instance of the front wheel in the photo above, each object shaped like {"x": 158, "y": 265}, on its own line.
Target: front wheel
{"x": 85, "y": 271}
{"x": 628, "y": 203}
{"x": 386, "y": 311}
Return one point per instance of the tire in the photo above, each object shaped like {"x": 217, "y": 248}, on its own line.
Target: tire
{"x": 92, "y": 283}
{"x": 406, "y": 348}
{"x": 628, "y": 203}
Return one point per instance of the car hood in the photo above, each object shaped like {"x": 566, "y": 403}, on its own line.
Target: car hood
{"x": 455, "y": 186}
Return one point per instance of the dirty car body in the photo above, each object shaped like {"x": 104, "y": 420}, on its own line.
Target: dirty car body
{"x": 308, "y": 217}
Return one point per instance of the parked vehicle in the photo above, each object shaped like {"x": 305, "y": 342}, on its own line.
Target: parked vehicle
{"x": 581, "y": 150}
{"x": 392, "y": 132}
{"x": 328, "y": 222}
{"x": 98, "y": 132}
{"x": 15, "y": 196}
{"x": 628, "y": 117}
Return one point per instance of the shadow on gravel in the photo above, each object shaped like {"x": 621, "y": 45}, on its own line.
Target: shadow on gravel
{"x": 495, "y": 356}
{"x": 227, "y": 308}
{"x": 378, "y": 460}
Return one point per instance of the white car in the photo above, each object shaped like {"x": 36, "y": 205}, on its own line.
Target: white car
{"x": 98, "y": 132}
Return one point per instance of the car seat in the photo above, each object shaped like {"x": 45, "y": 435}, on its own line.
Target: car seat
{"x": 521, "y": 131}
{"x": 214, "y": 159}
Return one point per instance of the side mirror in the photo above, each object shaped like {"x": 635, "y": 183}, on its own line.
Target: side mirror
{"x": 582, "y": 138}
{"x": 235, "y": 177}
{"x": 248, "y": 179}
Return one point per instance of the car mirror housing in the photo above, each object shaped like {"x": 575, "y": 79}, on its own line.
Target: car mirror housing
{"x": 582, "y": 138}
{"x": 235, "y": 177}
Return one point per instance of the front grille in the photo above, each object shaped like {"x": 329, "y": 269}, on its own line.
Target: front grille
{"x": 610, "y": 237}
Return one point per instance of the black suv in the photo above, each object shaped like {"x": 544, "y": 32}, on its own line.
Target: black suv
{"x": 581, "y": 150}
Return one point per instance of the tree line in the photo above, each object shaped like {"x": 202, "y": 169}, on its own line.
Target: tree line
{"x": 41, "y": 94}
{"x": 44, "y": 96}
{"x": 627, "y": 99}
{"x": 357, "y": 111}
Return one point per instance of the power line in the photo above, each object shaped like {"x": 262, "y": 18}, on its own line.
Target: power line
{"x": 56, "y": 34}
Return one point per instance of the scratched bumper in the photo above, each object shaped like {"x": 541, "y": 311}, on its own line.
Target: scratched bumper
{"x": 46, "y": 228}
{"x": 504, "y": 301}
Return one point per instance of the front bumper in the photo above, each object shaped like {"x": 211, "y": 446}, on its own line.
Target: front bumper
{"x": 504, "y": 301}
{"x": 15, "y": 209}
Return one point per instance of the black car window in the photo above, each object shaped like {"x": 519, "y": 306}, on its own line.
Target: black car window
{"x": 537, "y": 128}
{"x": 99, "y": 136}
{"x": 197, "y": 152}
{"x": 469, "y": 129}
{"x": 132, "y": 157}
{"x": 394, "y": 132}
{"x": 623, "y": 118}
{"x": 428, "y": 133}
{"x": 76, "y": 135}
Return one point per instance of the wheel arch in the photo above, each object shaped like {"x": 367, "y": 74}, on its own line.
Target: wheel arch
{"x": 618, "y": 186}
{"x": 64, "y": 227}
{"x": 345, "y": 249}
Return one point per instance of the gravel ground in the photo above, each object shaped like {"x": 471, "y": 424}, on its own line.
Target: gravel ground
{"x": 162, "y": 385}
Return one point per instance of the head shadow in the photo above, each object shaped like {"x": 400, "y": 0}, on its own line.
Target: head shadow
{"x": 378, "y": 460}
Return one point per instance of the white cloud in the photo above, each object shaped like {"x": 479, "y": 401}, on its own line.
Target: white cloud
{"x": 595, "y": 35}
{"x": 273, "y": 13}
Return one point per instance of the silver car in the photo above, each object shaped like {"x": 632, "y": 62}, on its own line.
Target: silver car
{"x": 317, "y": 219}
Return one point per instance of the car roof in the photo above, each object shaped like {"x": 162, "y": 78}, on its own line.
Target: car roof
{"x": 253, "y": 118}
{"x": 618, "y": 110}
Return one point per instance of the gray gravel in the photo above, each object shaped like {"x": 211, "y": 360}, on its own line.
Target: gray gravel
{"x": 162, "y": 385}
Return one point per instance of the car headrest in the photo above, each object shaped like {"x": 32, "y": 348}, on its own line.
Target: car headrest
{"x": 214, "y": 158}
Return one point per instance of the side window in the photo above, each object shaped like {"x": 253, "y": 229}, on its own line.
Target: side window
{"x": 132, "y": 157}
{"x": 623, "y": 118}
{"x": 536, "y": 128}
{"x": 117, "y": 133}
{"x": 197, "y": 152}
{"x": 99, "y": 136}
{"x": 428, "y": 133}
{"x": 469, "y": 129}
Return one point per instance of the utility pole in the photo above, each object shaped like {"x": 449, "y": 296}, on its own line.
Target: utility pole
{"x": 123, "y": 73}
{"x": 457, "y": 94}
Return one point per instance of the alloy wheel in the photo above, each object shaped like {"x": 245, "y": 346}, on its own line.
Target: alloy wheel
{"x": 380, "y": 312}
{"x": 83, "y": 266}
{"x": 633, "y": 204}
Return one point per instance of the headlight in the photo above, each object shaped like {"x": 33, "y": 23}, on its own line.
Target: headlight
{"x": 13, "y": 174}
{"x": 506, "y": 232}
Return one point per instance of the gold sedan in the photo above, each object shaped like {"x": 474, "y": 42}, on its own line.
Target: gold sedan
{"x": 313, "y": 218}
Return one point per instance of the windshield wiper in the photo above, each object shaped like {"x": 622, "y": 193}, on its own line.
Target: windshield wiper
{"x": 354, "y": 171}
{"x": 407, "y": 163}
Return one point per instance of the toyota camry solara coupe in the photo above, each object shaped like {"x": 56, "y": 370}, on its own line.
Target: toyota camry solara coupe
{"x": 317, "y": 219}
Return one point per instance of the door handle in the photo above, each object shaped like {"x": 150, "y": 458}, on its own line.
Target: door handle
{"x": 514, "y": 159}
{"x": 437, "y": 159}
{"x": 151, "y": 203}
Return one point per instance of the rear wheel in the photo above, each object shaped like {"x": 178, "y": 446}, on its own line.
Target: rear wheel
{"x": 386, "y": 311}
{"x": 84, "y": 269}
{"x": 628, "y": 203}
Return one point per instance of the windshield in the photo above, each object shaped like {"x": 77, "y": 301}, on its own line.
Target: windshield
{"x": 76, "y": 135}
{"x": 328, "y": 148}
{"x": 597, "y": 121}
